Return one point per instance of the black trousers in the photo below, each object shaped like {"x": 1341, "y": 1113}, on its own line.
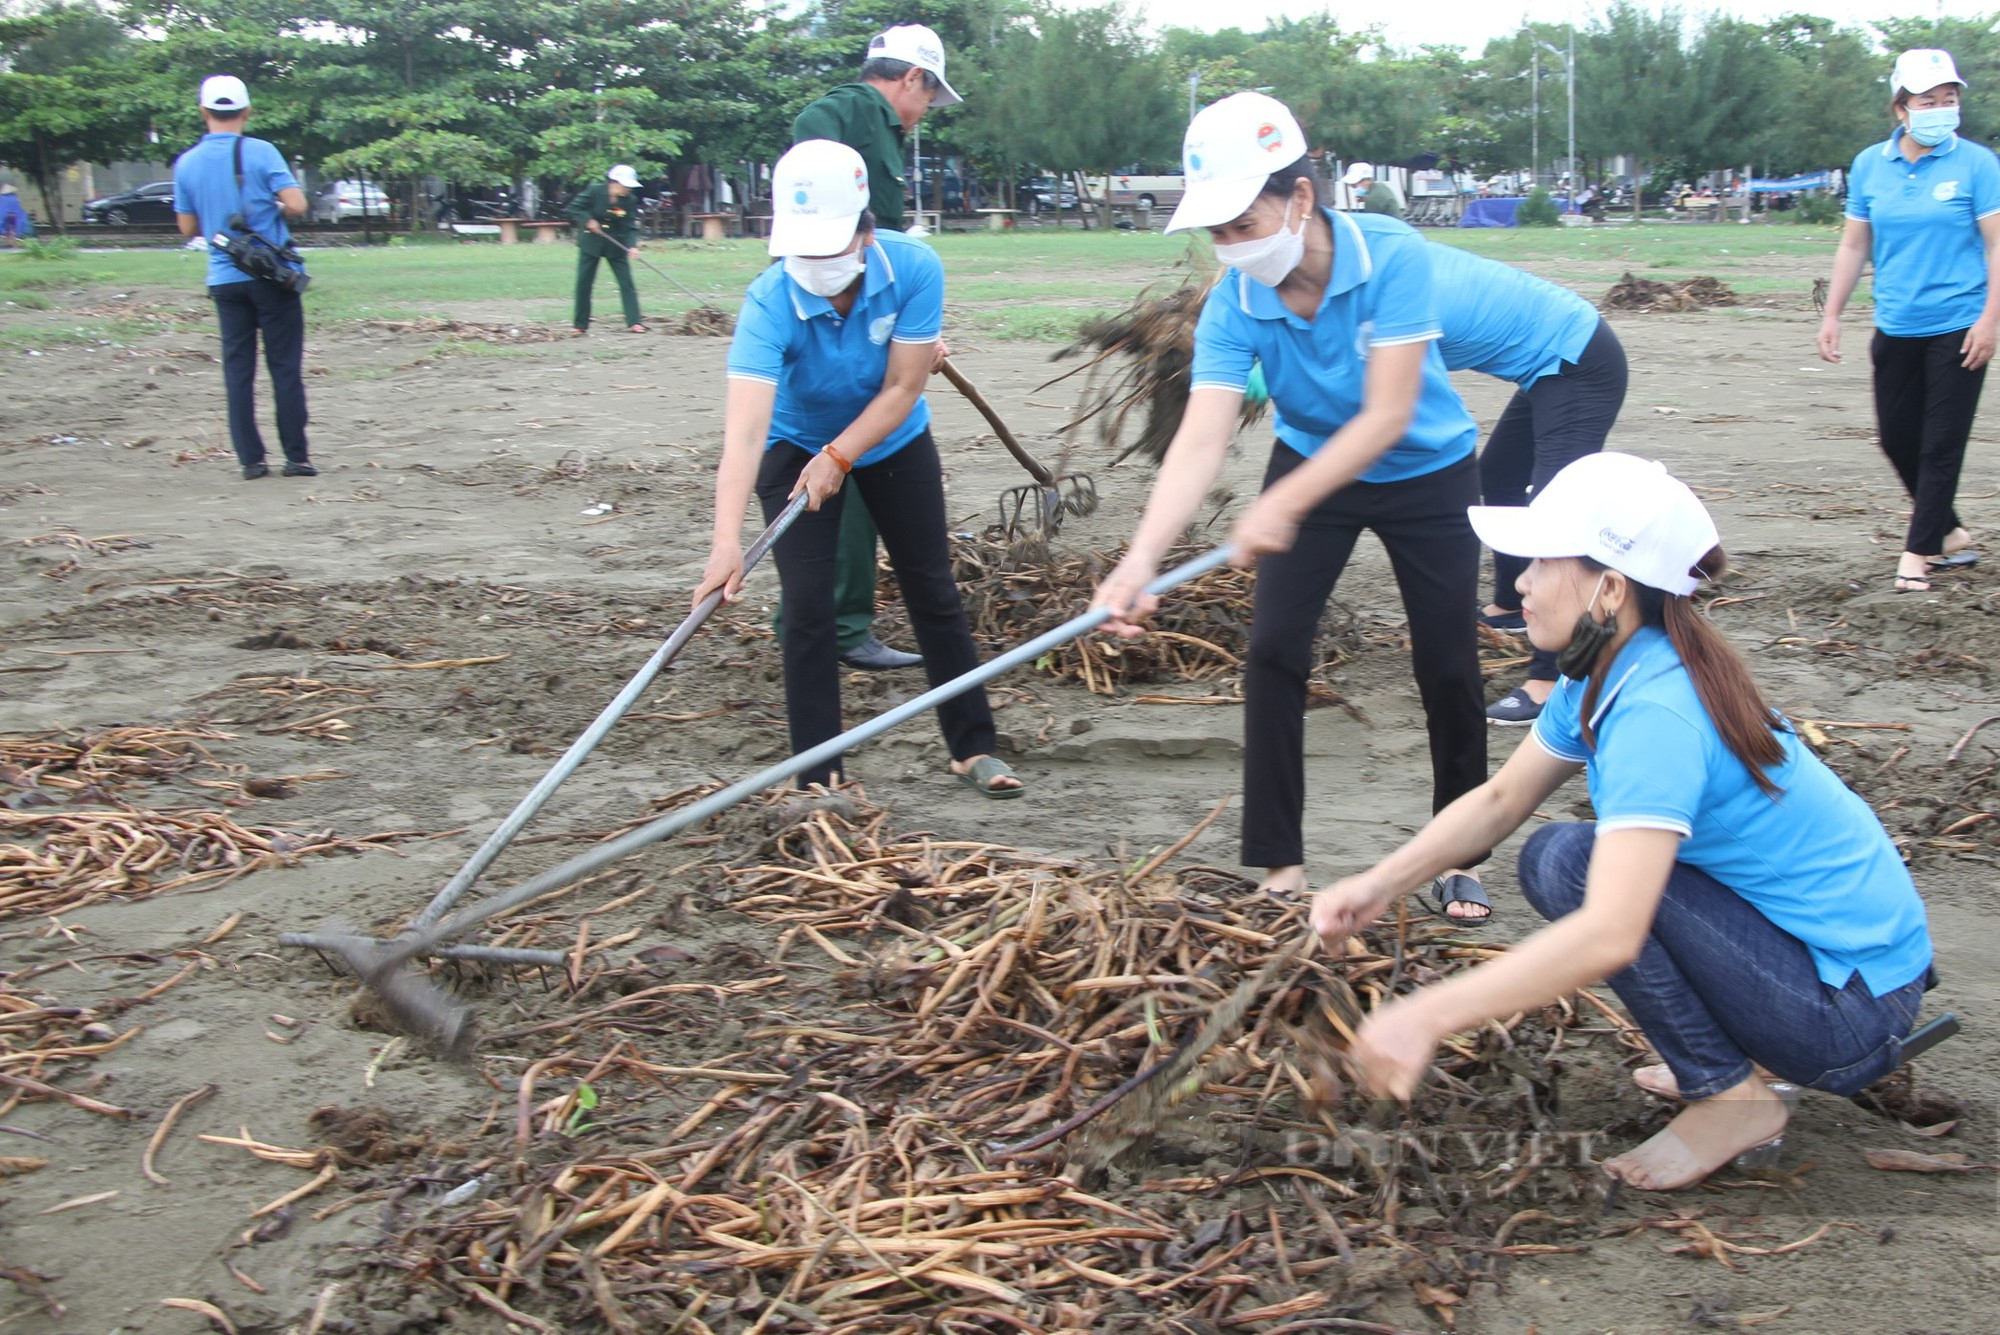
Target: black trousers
{"x": 1545, "y": 427}
{"x": 1435, "y": 555}
{"x": 246, "y": 311}
{"x": 1924, "y": 405}
{"x": 905, "y": 494}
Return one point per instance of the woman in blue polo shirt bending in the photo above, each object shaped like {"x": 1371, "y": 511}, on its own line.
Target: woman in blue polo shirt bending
{"x": 1339, "y": 309}
{"x": 826, "y": 383}
{"x": 1747, "y": 908}
{"x": 1570, "y": 375}
{"x": 1925, "y": 206}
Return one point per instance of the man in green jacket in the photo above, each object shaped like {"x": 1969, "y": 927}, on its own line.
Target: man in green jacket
{"x": 902, "y": 77}
{"x": 606, "y": 216}
{"x": 1376, "y": 196}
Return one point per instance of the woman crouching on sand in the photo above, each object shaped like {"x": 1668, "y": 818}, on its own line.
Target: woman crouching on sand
{"x": 1747, "y": 908}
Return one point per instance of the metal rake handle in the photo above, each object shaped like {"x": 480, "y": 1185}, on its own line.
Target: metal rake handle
{"x": 666, "y": 827}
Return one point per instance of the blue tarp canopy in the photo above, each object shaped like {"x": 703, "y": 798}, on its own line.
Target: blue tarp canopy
{"x": 1811, "y": 181}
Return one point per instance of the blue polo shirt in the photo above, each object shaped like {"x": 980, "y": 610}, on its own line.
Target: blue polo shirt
{"x": 1814, "y": 859}
{"x": 1378, "y": 295}
{"x": 205, "y": 185}
{"x": 1503, "y": 321}
{"x": 1930, "y": 264}
{"x": 828, "y": 367}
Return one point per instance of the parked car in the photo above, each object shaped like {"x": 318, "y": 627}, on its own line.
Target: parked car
{"x": 344, "y": 201}
{"x": 150, "y": 203}
{"x": 920, "y": 184}
{"x": 1035, "y": 193}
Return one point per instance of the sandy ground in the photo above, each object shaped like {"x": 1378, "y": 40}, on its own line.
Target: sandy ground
{"x": 457, "y": 516}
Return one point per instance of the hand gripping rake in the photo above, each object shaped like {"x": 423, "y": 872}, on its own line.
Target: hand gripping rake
{"x": 1051, "y": 497}
{"x": 419, "y": 1008}
{"x": 578, "y": 751}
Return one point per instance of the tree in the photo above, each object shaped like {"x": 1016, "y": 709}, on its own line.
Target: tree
{"x": 60, "y": 97}
{"x": 1631, "y": 68}
{"x": 1085, "y": 92}
{"x": 1832, "y": 96}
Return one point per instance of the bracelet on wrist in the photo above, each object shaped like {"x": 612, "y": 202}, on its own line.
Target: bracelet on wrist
{"x": 839, "y": 462}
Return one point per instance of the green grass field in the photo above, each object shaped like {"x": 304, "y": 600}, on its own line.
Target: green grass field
{"x": 1031, "y": 284}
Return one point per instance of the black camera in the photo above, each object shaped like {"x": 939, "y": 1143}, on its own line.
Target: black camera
{"x": 260, "y": 259}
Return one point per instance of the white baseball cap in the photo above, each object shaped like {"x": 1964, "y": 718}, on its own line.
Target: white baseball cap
{"x": 1358, "y": 173}
{"x": 1923, "y": 69}
{"x": 914, "y": 44}
{"x": 624, "y": 176}
{"x": 1618, "y": 509}
{"x": 1230, "y": 148}
{"x": 224, "y": 92}
{"x": 818, "y": 191}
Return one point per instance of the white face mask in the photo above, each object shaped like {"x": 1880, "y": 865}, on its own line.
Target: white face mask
{"x": 827, "y": 277}
{"x": 1268, "y": 260}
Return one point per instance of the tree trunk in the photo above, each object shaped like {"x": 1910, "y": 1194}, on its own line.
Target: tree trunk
{"x": 1104, "y": 206}
{"x": 51, "y": 190}
{"x": 1638, "y": 186}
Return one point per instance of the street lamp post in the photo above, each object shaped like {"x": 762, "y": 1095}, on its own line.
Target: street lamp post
{"x": 1569, "y": 75}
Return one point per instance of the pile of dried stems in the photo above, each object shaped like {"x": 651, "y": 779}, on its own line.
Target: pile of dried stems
{"x": 702, "y": 322}
{"x": 1644, "y": 294}
{"x": 53, "y": 861}
{"x": 1014, "y": 592}
{"x": 875, "y": 1151}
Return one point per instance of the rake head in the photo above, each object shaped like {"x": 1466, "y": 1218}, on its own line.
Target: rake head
{"x": 1032, "y": 508}
{"x": 408, "y": 1000}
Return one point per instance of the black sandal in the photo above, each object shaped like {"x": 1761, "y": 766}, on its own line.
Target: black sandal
{"x": 1458, "y": 888}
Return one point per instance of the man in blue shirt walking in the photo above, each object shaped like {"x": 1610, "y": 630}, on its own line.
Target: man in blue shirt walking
{"x": 225, "y": 175}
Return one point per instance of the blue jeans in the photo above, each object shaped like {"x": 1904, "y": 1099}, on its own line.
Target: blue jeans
{"x": 1719, "y": 986}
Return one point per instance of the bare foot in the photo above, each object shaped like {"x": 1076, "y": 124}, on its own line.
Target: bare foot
{"x": 1467, "y": 910}
{"x": 1658, "y": 1080}
{"x": 1284, "y": 882}
{"x": 1703, "y": 1138}
{"x": 1956, "y": 541}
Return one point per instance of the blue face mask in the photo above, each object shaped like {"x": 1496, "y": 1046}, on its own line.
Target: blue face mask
{"x": 1931, "y": 126}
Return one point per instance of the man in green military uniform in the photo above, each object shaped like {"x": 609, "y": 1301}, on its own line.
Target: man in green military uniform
{"x": 606, "y": 216}
{"x": 1376, "y": 196}
{"x": 901, "y": 79}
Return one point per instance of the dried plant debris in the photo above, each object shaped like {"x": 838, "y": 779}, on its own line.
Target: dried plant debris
{"x": 841, "y": 1124}
{"x": 1139, "y": 363}
{"x": 1016, "y": 591}
{"x": 1646, "y": 295}
{"x": 702, "y": 322}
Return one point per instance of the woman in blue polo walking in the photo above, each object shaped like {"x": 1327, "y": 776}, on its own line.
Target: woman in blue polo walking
{"x": 1924, "y": 205}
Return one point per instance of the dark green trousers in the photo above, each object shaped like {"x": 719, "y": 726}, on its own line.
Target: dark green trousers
{"x": 853, "y": 576}
{"x": 586, "y": 278}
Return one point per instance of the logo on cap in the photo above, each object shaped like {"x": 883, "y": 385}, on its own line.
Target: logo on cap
{"x": 1270, "y": 138}
{"x": 801, "y": 197}
{"x": 1617, "y": 542}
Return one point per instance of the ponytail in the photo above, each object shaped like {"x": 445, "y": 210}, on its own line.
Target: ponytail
{"x": 1748, "y": 726}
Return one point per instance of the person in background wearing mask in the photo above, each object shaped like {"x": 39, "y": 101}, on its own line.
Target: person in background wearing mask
{"x": 1376, "y": 196}
{"x": 1744, "y": 904}
{"x": 1924, "y": 205}
{"x": 1340, "y": 310}
{"x": 207, "y": 195}
{"x": 1570, "y": 373}
{"x": 902, "y": 79}
{"x": 826, "y": 382}
{"x": 606, "y": 216}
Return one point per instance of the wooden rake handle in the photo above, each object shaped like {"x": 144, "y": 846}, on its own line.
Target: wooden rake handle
{"x": 1042, "y": 476}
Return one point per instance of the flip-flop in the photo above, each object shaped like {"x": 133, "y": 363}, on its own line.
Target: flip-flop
{"x": 1458, "y": 888}
{"x": 1958, "y": 560}
{"x": 1916, "y": 583}
{"x": 979, "y": 777}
